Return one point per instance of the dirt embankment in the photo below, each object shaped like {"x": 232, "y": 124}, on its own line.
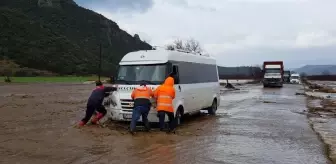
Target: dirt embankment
{"x": 320, "y": 87}
{"x": 321, "y": 104}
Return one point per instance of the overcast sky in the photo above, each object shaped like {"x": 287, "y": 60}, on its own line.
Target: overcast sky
{"x": 236, "y": 32}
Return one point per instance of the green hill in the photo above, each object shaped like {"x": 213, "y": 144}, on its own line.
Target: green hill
{"x": 61, "y": 37}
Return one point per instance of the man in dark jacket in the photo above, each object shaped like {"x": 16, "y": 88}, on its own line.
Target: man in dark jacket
{"x": 95, "y": 103}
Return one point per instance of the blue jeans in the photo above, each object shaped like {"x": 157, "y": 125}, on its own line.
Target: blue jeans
{"x": 137, "y": 112}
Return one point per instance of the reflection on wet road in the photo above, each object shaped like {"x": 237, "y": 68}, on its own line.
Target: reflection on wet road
{"x": 252, "y": 126}
{"x": 265, "y": 128}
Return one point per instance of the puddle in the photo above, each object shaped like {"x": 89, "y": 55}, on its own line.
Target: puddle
{"x": 331, "y": 96}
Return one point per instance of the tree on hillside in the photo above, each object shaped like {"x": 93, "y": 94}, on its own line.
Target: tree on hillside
{"x": 258, "y": 66}
{"x": 191, "y": 45}
{"x": 256, "y": 71}
{"x": 46, "y": 38}
{"x": 7, "y": 69}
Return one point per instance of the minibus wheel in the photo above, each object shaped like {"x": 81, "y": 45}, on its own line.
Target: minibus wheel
{"x": 178, "y": 115}
{"x": 212, "y": 110}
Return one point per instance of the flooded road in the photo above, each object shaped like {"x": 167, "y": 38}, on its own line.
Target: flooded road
{"x": 253, "y": 125}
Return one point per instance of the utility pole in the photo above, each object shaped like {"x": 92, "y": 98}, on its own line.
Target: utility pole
{"x": 100, "y": 60}
{"x": 100, "y": 48}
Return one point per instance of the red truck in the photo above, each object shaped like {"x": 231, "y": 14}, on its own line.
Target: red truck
{"x": 273, "y": 73}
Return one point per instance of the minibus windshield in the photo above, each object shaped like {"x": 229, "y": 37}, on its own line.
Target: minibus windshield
{"x": 137, "y": 74}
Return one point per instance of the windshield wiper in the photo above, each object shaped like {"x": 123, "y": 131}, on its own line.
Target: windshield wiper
{"x": 147, "y": 81}
{"x": 125, "y": 81}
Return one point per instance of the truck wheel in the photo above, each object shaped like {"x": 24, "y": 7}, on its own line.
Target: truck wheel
{"x": 212, "y": 110}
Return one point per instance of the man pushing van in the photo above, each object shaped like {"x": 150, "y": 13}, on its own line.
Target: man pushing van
{"x": 141, "y": 97}
{"x": 95, "y": 103}
{"x": 164, "y": 96}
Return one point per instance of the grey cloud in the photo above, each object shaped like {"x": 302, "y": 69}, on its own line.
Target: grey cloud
{"x": 125, "y": 5}
{"x": 187, "y": 5}
{"x": 243, "y": 31}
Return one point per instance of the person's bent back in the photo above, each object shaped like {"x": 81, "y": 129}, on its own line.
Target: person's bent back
{"x": 141, "y": 96}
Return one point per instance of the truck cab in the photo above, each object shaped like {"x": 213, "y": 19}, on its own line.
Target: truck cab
{"x": 295, "y": 79}
{"x": 273, "y": 73}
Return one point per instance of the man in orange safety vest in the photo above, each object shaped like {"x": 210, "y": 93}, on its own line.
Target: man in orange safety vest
{"x": 141, "y": 97}
{"x": 164, "y": 96}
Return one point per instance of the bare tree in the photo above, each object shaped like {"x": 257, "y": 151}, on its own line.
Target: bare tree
{"x": 190, "y": 45}
{"x": 170, "y": 47}
{"x": 193, "y": 46}
{"x": 178, "y": 44}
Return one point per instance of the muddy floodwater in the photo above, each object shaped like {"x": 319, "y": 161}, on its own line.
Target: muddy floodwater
{"x": 253, "y": 125}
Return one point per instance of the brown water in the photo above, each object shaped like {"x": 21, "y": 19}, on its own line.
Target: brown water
{"x": 254, "y": 125}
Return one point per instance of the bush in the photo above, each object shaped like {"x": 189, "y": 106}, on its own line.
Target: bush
{"x": 7, "y": 79}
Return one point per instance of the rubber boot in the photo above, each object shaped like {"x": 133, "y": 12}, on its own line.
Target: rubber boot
{"x": 81, "y": 123}
{"x": 132, "y": 132}
{"x": 97, "y": 118}
{"x": 171, "y": 131}
{"x": 147, "y": 126}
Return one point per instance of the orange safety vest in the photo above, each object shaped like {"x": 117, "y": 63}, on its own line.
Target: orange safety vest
{"x": 164, "y": 95}
{"x": 164, "y": 102}
{"x": 142, "y": 92}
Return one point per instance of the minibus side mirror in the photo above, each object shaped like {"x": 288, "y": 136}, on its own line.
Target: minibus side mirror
{"x": 175, "y": 74}
{"x": 174, "y": 70}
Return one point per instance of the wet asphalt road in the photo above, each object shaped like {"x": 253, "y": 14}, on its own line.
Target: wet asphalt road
{"x": 264, "y": 126}
{"x": 255, "y": 126}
